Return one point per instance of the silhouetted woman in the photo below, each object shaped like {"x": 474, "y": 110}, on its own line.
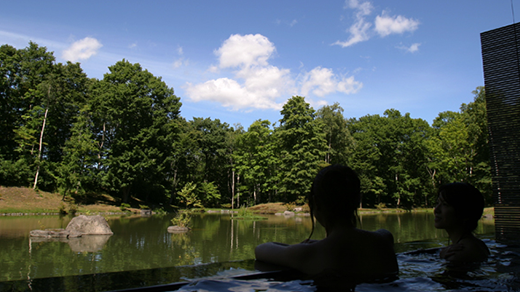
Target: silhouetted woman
{"x": 459, "y": 207}
{"x": 333, "y": 201}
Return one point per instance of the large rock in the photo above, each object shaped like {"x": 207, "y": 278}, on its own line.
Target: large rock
{"x": 178, "y": 229}
{"x": 89, "y": 225}
{"x": 54, "y": 233}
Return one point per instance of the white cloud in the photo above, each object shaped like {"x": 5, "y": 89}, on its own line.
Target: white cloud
{"x": 180, "y": 50}
{"x": 256, "y": 83}
{"x": 213, "y": 69}
{"x": 229, "y": 93}
{"x": 386, "y": 25}
{"x": 177, "y": 63}
{"x": 414, "y": 48}
{"x": 359, "y": 31}
{"x": 132, "y": 46}
{"x": 82, "y": 49}
{"x": 411, "y": 49}
{"x": 322, "y": 81}
{"x": 247, "y": 50}
{"x": 364, "y": 8}
{"x": 293, "y": 23}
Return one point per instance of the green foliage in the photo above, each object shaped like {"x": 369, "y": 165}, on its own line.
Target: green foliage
{"x": 302, "y": 147}
{"x": 255, "y": 162}
{"x": 381, "y": 206}
{"x": 246, "y": 214}
{"x": 188, "y": 196}
{"x": 183, "y": 219}
{"x": 339, "y": 140}
{"x": 160, "y": 211}
{"x": 73, "y": 209}
{"x": 134, "y": 114}
{"x": 290, "y": 206}
{"x": 62, "y": 209}
{"x": 124, "y": 206}
{"x": 208, "y": 193}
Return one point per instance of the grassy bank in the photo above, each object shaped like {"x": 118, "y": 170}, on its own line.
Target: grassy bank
{"x": 26, "y": 200}
{"x": 272, "y": 208}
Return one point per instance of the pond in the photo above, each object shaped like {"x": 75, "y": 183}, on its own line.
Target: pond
{"x": 217, "y": 244}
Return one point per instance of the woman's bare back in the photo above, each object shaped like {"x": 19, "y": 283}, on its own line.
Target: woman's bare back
{"x": 359, "y": 252}
{"x": 346, "y": 252}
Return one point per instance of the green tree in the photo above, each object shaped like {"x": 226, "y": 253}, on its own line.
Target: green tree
{"x": 255, "y": 161}
{"x": 389, "y": 156}
{"x": 339, "y": 141}
{"x": 76, "y": 174}
{"x": 208, "y": 194}
{"x": 474, "y": 115}
{"x": 211, "y": 152}
{"x": 135, "y": 120}
{"x": 459, "y": 149}
{"x": 188, "y": 196}
{"x": 302, "y": 147}
{"x": 24, "y": 106}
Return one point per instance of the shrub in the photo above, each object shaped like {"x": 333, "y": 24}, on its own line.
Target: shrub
{"x": 62, "y": 209}
{"x": 73, "y": 208}
{"x": 246, "y": 214}
{"x": 124, "y": 206}
{"x": 182, "y": 220}
{"x": 160, "y": 211}
{"x": 290, "y": 206}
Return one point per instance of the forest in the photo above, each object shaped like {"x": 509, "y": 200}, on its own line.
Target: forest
{"x": 124, "y": 136}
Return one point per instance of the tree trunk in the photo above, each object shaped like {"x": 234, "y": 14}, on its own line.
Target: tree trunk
{"x": 232, "y": 189}
{"x": 40, "y": 149}
{"x": 126, "y": 192}
{"x": 102, "y": 142}
{"x": 238, "y": 192}
{"x": 174, "y": 185}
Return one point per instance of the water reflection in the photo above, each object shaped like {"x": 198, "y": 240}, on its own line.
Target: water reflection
{"x": 144, "y": 243}
{"x": 86, "y": 243}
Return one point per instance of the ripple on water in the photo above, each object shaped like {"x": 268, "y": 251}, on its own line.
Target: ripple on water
{"x": 419, "y": 271}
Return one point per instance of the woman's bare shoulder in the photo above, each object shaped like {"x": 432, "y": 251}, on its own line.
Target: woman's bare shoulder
{"x": 384, "y": 234}
{"x": 473, "y": 249}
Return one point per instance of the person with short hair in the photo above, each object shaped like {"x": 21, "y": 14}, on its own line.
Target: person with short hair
{"x": 458, "y": 210}
{"x": 346, "y": 251}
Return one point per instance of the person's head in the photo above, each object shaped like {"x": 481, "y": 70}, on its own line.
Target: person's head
{"x": 335, "y": 195}
{"x": 465, "y": 201}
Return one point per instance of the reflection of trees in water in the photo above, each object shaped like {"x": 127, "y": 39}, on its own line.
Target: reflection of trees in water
{"x": 144, "y": 243}
{"x": 210, "y": 228}
{"x": 184, "y": 252}
{"x": 412, "y": 226}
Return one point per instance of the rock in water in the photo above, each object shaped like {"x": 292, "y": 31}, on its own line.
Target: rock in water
{"x": 54, "y": 233}
{"x": 178, "y": 229}
{"x": 92, "y": 225}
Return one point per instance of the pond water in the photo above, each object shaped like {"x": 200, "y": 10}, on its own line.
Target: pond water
{"x": 217, "y": 246}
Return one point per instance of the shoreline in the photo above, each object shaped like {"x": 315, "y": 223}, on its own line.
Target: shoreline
{"x": 20, "y": 201}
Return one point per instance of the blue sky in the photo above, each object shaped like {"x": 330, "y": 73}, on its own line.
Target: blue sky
{"x": 239, "y": 61}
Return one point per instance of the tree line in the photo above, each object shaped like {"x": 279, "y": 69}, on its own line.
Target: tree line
{"x": 124, "y": 135}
